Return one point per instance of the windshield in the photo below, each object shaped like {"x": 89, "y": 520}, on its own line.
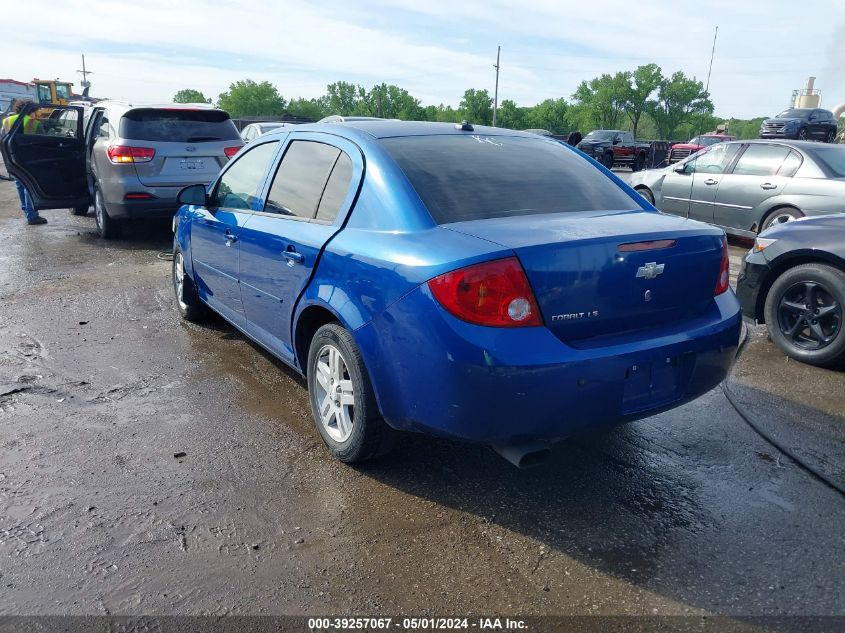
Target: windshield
{"x": 600, "y": 135}
{"x": 833, "y": 158}
{"x": 794, "y": 113}
{"x": 177, "y": 125}
{"x": 705, "y": 140}
{"x": 476, "y": 177}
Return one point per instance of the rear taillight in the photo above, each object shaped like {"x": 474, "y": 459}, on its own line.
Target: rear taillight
{"x": 494, "y": 293}
{"x": 724, "y": 278}
{"x": 126, "y": 154}
{"x": 231, "y": 151}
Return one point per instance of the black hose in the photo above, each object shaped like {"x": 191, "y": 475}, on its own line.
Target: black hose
{"x": 768, "y": 438}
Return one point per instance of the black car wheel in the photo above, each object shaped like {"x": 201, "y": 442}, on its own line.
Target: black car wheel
{"x": 804, "y": 310}
{"x": 646, "y": 193}
{"x": 802, "y": 134}
{"x": 831, "y": 136}
{"x": 342, "y": 399}
{"x": 607, "y": 160}
{"x": 781, "y": 216}
{"x": 106, "y": 226}
{"x": 187, "y": 300}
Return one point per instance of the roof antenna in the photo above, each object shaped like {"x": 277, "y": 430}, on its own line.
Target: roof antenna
{"x": 464, "y": 125}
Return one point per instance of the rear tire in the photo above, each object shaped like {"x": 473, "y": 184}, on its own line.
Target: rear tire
{"x": 639, "y": 162}
{"x": 831, "y": 137}
{"x": 805, "y": 314}
{"x": 190, "y": 307}
{"x": 107, "y": 227}
{"x": 342, "y": 399}
{"x": 780, "y": 216}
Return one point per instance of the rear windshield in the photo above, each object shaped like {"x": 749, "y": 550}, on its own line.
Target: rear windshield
{"x": 833, "y": 158}
{"x": 178, "y": 126}
{"x": 476, "y": 177}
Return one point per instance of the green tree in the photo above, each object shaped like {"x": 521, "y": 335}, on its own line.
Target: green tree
{"x": 313, "y": 109}
{"x": 247, "y": 98}
{"x": 391, "y": 102}
{"x": 551, "y": 114}
{"x": 603, "y": 100}
{"x": 511, "y": 116}
{"x": 477, "y": 107}
{"x": 189, "y": 95}
{"x": 344, "y": 98}
{"x": 645, "y": 80}
{"x": 679, "y": 100}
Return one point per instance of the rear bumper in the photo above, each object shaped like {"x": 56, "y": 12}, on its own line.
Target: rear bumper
{"x": 438, "y": 375}
{"x": 143, "y": 209}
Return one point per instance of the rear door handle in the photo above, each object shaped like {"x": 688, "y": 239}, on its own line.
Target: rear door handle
{"x": 229, "y": 237}
{"x": 292, "y": 256}
{"x": 768, "y": 185}
{"x": 710, "y": 181}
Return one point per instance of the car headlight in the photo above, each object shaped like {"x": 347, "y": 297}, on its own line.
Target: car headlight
{"x": 762, "y": 243}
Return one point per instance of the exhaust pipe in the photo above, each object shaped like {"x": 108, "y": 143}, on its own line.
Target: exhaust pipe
{"x": 524, "y": 454}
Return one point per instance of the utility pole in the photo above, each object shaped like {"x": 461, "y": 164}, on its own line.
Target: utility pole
{"x": 496, "y": 92}
{"x": 85, "y": 72}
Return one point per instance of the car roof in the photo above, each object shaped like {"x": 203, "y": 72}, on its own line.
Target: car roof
{"x": 378, "y": 129}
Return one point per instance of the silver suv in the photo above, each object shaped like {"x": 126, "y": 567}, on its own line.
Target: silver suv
{"x": 129, "y": 161}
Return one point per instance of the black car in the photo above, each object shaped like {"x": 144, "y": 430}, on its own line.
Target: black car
{"x": 793, "y": 280}
{"x": 804, "y": 124}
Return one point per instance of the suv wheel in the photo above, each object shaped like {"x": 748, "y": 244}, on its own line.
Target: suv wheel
{"x": 805, "y": 312}
{"x": 639, "y": 162}
{"x": 342, "y": 399}
{"x": 80, "y": 210}
{"x": 802, "y": 134}
{"x": 106, "y": 226}
{"x": 831, "y": 137}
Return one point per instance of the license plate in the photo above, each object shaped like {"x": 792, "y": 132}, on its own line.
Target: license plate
{"x": 191, "y": 163}
{"x": 650, "y": 385}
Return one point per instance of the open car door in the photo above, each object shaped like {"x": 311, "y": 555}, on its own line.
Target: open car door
{"x": 45, "y": 150}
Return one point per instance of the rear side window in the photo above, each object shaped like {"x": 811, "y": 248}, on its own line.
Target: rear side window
{"x": 239, "y": 185}
{"x": 474, "y": 177}
{"x": 336, "y": 189}
{"x": 301, "y": 178}
{"x": 177, "y": 125}
{"x": 761, "y": 160}
{"x": 790, "y": 164}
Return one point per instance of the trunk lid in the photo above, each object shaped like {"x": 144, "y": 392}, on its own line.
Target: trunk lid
{"x": 181, "y": 164}
{"x": 587, "y": 287}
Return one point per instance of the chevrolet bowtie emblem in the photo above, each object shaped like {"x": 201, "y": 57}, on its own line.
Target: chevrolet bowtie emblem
{"x": 650, "y": 270}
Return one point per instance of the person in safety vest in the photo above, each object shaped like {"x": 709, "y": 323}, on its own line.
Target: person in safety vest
{"x": 31, "y": 125}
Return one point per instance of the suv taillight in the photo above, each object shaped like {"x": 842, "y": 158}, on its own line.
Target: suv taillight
{"x": 125, "y": 154}
{"x": 724, "y": 279}
{"x": 496, "y": 294}
{"x": 231, "y": 151}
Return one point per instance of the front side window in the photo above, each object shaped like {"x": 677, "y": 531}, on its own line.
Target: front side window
{"x": 301, "y": 178}
{"x": 761, "y": 160}
{"x": 238, "y": 188}
{"x": 62, "y": 91}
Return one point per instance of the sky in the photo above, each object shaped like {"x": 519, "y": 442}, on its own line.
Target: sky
{"x": 144, "y": 51}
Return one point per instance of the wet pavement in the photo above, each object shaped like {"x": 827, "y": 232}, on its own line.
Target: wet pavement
{"x": 149, "y": 466}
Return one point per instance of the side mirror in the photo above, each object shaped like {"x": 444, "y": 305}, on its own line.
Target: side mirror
{"x": 193, "y": 195}
{"x": 617, "y": 140}
{"x": 680, "y": 169}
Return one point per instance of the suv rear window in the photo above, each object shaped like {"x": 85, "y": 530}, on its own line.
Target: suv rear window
{"x": 177, "y": 125}
{"x": 473, "y": 177}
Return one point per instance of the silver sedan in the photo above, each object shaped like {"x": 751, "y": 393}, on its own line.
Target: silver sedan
{"x": 747, "y": 186}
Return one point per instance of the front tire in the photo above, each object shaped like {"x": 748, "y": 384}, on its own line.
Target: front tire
{"x": 646, "y": 193}
{"x": 805, "y": 313}
{"x": 607, "y": 160}
{"x": 831, "y": 137}
{"x": 107, "y": 227}
{"x": 187, "y": 300}
{"x": 639, "y": 162}
{"x": 802, "y": 134}
{"x": 342, "y": 399}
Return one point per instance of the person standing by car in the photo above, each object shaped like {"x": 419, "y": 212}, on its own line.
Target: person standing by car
{"x": 30, "y": 126}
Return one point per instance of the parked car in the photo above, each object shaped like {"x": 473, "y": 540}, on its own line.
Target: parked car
{"x": 129, "y": 161}
{"x": 679, "y": 151}
{"x": 793, "y": 280}
{"x": 747, "y": 186}
{"x": 469, "y": 282}
{"x": 804, "y": 124}
{"x": 254, "y": 130}
{"x": 615, "y": 148}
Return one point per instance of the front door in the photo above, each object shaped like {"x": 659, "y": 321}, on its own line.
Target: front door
{"x": 306, "y": 204}
{"x": 762, "y": 171}
{"x": 216, "y": 230}
{"x": 45, "y": 150}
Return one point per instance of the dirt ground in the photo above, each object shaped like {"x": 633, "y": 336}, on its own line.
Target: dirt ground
{"x": 153, "y": 467}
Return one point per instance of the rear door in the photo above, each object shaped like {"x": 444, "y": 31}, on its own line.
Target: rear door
{"x": 762, "y": 171}
{"x": 216, "y": 230}
{"x": 191, "y": 145}
{"x": 307, "y": 202}
{"x": 45, "y": 150}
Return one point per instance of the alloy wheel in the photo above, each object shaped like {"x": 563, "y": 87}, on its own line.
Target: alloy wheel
{"x": 99, "y": 210}
{"x": 334, "y": 393}
{"x": 179, "y": 278}
{"x": 808, "y": 316}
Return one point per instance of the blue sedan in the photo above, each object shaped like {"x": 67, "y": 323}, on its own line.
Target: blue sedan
{"x": 482, "y": 284}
